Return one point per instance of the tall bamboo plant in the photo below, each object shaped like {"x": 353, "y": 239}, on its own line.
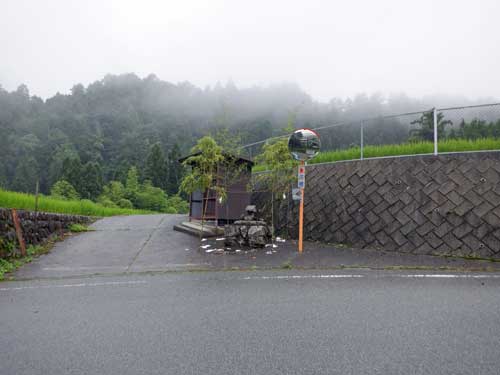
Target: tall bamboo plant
{"x": 203, "y": 163}
{"x": 232, "y": 168}
{"x": 281, "y": 168}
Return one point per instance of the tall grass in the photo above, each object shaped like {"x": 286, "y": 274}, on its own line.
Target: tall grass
{"x": 10, "y": 199}
{"x": 413, "y": 148}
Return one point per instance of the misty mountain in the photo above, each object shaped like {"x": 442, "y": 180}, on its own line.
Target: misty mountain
{"x": 114, "y": 122}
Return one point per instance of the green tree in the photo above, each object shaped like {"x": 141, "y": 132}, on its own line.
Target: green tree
{"x": 175, "y": 170}
{"x": 178, "y": 204}
{"x": 231, "y": 168}
{"x": 72, "y": 172}
{"x": 230, "y": 142}
{"x": 476, "y": 129}
{"x": 26, "y": 175}
{"x": 114, "y": 191}
{"x": 3, "y": 176}
{"x": 151, "y": 198}
{"x": 206, "y": 156}
{"x": 156, "y": 167}
{"x": 64, "y": 190}
{"x": 425, "y": 131}
{"x": 91, "y": 181}
{"x": 125, "y": 203}
{"x": 132, "y": 184}
{"x": 281, "y": 166}
{"x": 56, "y": 158}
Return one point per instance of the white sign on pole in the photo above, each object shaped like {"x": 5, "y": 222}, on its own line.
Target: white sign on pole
{"x": 296, "y": 194}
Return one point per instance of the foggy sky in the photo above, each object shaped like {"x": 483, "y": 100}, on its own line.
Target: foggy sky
{"x": 330, "y": 48}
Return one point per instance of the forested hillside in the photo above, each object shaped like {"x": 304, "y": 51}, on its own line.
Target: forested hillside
{"x": 97, "y": 133}
{"x": 114, "y": 123}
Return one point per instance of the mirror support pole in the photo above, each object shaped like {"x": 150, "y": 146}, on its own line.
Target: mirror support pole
{"x": 301, "y": 217}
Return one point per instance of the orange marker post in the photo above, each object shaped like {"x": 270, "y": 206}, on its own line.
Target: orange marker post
{"x": 304, "y": 144}
{"x": 301, "y": 214}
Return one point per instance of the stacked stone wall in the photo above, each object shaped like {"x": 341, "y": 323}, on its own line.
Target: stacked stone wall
{"x": 444, "y": 205}
{"x": 36, "y": 228}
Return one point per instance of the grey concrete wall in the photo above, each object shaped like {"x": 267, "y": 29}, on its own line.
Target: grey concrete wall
{"x": 36, "y": 229}
{"x": 446, "y": 205}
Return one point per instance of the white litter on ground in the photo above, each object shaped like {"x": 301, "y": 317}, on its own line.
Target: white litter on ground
{"x": 203, "y": 239}
{"x": 269, "y": 252}
{"x": 205, "y": 246}
{"x": 186, "y": 249}
{"x": 271, "y": 245}
{"x": 238, "y": 251}
{"x": 279, "y": 239}
{"x": 209, "y": 250}
{"x": 220, "y": 239}
{"x": 217, "y": 251}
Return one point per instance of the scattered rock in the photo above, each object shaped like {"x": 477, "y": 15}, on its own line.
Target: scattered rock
{"x": 248, "y": 232}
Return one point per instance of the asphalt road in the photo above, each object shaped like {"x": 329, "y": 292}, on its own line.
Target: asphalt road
{"x": 143, "y": 243}
{"x": 117, "y": 245}
{"x": 288, "y": 322}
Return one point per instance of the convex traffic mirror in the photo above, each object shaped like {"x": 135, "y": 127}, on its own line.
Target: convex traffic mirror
{"x": 304, "y": 144}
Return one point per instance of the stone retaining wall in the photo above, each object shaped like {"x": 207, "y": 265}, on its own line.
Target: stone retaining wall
{"x": 36, "y": 230}
{"x": 446, "y": 204}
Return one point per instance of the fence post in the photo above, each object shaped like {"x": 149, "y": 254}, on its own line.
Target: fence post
{"x": 435, "y": 132}
{"x": 19, "y": 232}
{"x": 37, "y": 187}
{"x": 361, "y": 139}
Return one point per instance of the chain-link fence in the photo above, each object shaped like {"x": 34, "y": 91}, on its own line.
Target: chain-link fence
{"x": 252, "y": 150}
{"x": 473, "y": 123}
{"x": 433, "y": 131}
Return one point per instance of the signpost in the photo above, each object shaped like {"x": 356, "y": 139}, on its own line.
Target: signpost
{"x": 304, "y": 144}
{"x": 302, "y": 176}
{"x": 302, "y": 185}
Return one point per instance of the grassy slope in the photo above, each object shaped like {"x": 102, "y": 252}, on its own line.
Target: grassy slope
{"x": 10, "y": 199}
{"x": 403, "y": 149}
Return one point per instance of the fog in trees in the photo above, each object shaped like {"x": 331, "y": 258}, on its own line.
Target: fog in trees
{"x": 121, "y": 121}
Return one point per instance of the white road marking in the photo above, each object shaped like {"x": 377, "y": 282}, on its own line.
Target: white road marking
{"x": 287, "y": 277}
{"x": 355, "y": 276}
{"x": 274, "y": 277}
{"x": 80, "y": 285}
{"x": 447, "y": 276}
